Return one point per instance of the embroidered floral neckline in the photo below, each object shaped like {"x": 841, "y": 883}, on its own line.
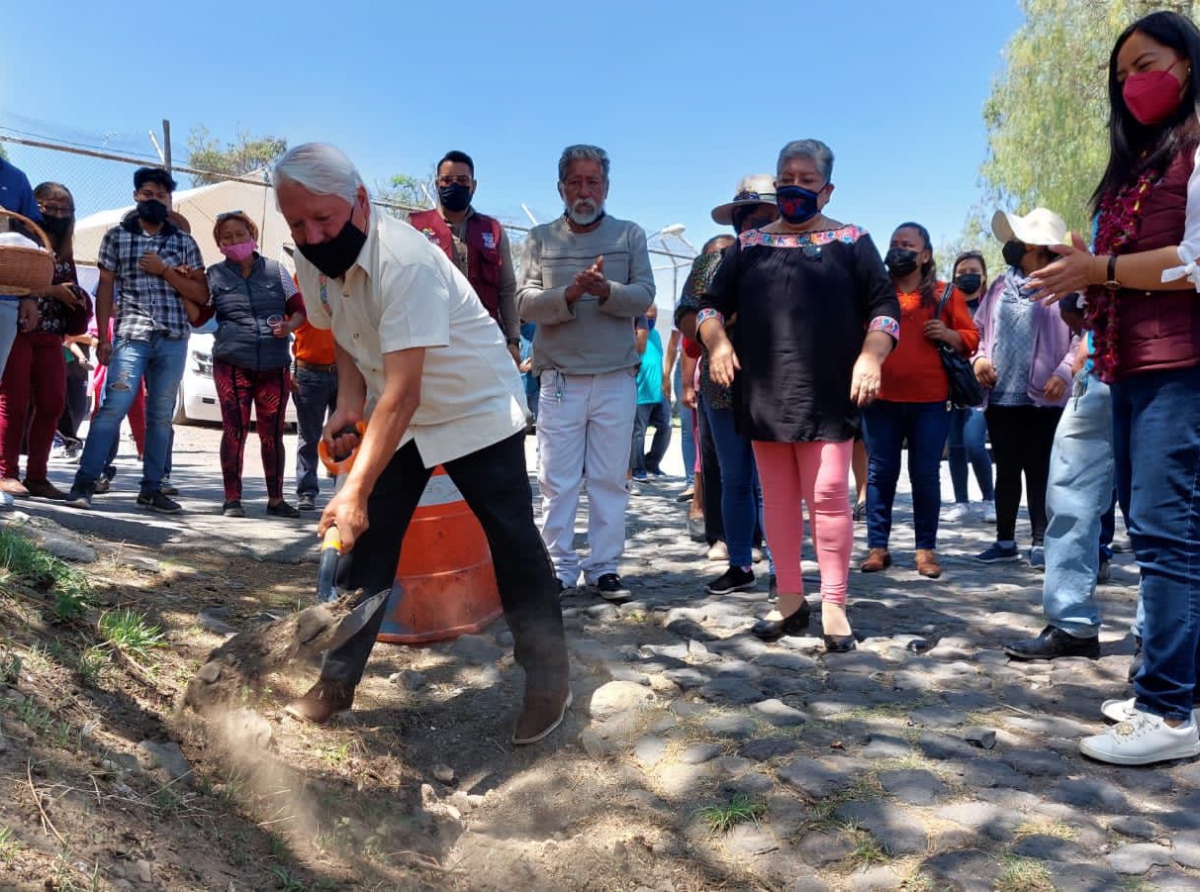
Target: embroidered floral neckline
{"x": 847, "y": 234}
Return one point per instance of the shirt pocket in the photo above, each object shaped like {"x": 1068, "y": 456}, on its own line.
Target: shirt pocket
{"x": 489, "y": 266}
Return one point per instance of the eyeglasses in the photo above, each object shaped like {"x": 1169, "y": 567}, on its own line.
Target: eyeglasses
{"x": 462, "y": 180}
{"x": 56, "y": 210}
{"x": 228, "y": 214}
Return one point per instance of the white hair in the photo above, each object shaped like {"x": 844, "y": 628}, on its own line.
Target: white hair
{"x": 321, "y": 169}
{"x": 813, "y": 149}
{"x": 582, "y": 152}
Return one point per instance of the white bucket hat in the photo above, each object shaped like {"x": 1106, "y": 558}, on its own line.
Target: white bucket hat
{"x": 1039, "y": 227}
{"x": 758, "y": 188}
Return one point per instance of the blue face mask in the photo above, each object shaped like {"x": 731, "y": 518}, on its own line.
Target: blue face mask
{"x": 797, "y": 204}
{"x": 650, "y": 322}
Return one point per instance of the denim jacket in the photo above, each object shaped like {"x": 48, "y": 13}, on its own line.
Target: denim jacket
{"x": 1053, "y": 344}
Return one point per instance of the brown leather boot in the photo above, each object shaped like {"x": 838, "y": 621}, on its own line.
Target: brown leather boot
{"x": 44, "y": 489}
{"x": 323, "y": 701}
{"x": 927, "y": 564}
{"x": 541, "y": 714}
{"x": 877, "y": 559}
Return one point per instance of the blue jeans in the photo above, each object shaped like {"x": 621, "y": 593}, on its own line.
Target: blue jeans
{"x": 741, "y": 500}
{"x": 1156, "y": 431}
{"x": 968, "y": 445}
{"x": 1079, "y": 492}
{"x": 658, "y": 416}
{"x": 886, "y": 425}
{"x": 687, "y": 439}
{"x": 316, "y": 394}
{"x": 160, "y": 361}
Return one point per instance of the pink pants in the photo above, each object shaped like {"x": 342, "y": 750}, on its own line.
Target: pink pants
{"x": 818, "y": 475}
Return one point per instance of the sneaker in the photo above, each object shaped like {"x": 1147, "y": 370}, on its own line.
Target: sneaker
{"x": 717, "y": 553}
{"x": 610, "y": 588}
{"x": 1053, "y": 642}
{"x": 859, "y": 513}
{"x": 1124, "y": 710}
{"x": 80, "y": 497}
{"x": 987, "y": 511}
{"x": 103, "y": 484}
{"x": 997, "y": 552}
{"x": 735, "y": 579}
{"x": 158, "y": 501}
{"x": 1037, "y": 557}
{"x": 167, "y": 488}
{"x": 1135, "y": 665}
{"x": 307, "y": 502}
{"x": 639, "y": 475}
{"x": 695, "y": 527}
{"x": 957, "y": 512}
{"x": 282, "y": 509}
{"x": 1142, "y": 739}
{"x": 233, "y": 508}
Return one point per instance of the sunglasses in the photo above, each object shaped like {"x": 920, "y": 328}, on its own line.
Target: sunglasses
{"x": 227, "y": 214}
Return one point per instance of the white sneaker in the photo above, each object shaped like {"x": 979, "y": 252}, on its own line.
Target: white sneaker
{"x": 959, "y": 511}
{"x": 1142, "y": 740}
{"x": 987, "y": 511}
{"x": 718, "y": 552}
{"x": 1124, "y": 710}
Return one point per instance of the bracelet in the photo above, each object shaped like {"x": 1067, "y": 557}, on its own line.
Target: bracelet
{"x": 706, "y": 314}
{"x": 887, "y": 325}
{"x": 1111, "y": 282}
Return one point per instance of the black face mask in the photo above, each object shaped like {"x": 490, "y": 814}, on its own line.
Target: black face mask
{"x": 152, "y": 211}
{"x": 56, "y": 227}
{"x": 901, "y": 262}
{"x": 969, "y": 283}
{"x": 335, "y": 256}
{"x": 1013, "y": 252}
{"x": 455, "y": 197}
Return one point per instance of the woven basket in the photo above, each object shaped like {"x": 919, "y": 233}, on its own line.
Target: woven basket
{"x": 26, "y": 270}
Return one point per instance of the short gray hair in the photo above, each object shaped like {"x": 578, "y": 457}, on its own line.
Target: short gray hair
{"x": 813, "y": 149}
{"x": 582, "y": 152}
{"x": 321, "y": 169}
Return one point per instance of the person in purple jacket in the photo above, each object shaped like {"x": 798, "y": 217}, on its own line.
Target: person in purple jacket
{"x": 1024, "y": 361}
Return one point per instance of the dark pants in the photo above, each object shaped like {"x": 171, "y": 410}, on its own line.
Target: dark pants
{"x": 658, "y": 416}
{"x": 316, "y": 396}
{"x": 495, "y": 485}
{"x": 76, "y": 408}
{"x": 967, "y": 448}
{"x": 1156, "y": 437}
{"x": 741, "y": 494}
{"x": 886, "y": 426}
{"x": 1022, "y": 438}
{"x": 710, "y": 466}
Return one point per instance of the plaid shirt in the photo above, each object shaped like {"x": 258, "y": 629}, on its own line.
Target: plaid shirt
{"x": 147, "y": 304}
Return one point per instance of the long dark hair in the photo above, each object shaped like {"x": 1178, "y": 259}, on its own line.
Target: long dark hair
{"x": 928, "y": 285}
{"x": 64, "y": 245}
{"x": 1135, "y": 148}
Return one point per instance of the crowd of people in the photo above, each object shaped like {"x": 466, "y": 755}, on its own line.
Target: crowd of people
{"x": 799, "y": 352}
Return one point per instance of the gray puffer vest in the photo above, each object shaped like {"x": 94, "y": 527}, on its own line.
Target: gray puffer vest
{"x": 243, "y": 307}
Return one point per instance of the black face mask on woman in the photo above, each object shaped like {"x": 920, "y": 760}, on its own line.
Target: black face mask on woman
{"x": 335, "y": 256}
{"x": 901, "y": 262}
{"x": 56, "y": 227}
{"x": 1013, "y": 252}
{"x": 969, "y": 283}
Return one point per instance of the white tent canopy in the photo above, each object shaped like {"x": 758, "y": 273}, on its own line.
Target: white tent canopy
{"x": 200, "y": 207}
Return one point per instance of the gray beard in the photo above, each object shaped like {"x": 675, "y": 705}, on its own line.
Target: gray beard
{"x": 586, "y": 219}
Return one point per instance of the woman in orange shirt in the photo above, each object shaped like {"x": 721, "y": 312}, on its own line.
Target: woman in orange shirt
{"x": 912, "y": 400}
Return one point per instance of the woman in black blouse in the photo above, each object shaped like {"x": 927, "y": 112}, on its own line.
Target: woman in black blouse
{"x": 817, "y": 316}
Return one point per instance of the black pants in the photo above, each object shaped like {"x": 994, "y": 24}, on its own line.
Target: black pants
{"x": 495, "y": 485}
{"x": 75, "y": 409}
{"x": 650, "y": 415}
{"x": 714, "y": 526}
{"x": 1022, "y": 437}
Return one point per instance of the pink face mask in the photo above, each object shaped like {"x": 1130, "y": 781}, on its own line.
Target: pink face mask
{"x": 241, "y": 252}
{"x": 1152, "y": 96}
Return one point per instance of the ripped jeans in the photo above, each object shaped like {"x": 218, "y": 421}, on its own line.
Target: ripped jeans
{"x": 160, "y": 361}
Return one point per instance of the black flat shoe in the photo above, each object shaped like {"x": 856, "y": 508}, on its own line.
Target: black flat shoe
{"x": 774, "y": 629}
{"x": 1053, "y": 642}
{"x": 835, "y": 644}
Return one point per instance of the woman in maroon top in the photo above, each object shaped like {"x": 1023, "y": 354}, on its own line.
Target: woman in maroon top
{"x": 34, "y": 384}
{"x": 1145, "y": 318}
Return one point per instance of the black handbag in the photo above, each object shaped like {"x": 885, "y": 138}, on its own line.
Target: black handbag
{"x": 965, "y": 390}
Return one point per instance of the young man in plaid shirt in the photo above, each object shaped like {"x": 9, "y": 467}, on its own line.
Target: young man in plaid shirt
{"x": 146, "y": 261}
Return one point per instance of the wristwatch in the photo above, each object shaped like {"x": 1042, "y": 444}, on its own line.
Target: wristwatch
{"x": 1111, "y": 282}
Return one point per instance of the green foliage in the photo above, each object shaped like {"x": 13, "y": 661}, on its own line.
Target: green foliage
{"x": 406, "y": 192}
{"x": 42, "y": 570}
{"x": 724, "y": 816}
{"x": 245, "y": 154}
{"x": 9, "y": 845}
{"x": 1047, "y": 114}
{"x": 10, "y": 668}
{"x": 128, "y": 632}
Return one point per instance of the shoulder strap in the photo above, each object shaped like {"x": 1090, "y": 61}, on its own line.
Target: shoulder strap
{"x": 945, "y": 299}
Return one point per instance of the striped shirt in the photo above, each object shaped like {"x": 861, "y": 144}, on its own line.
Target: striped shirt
{"x": 147, "y": 304}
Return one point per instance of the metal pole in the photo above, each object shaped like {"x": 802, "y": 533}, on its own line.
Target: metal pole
{"x": 167, "y": 144}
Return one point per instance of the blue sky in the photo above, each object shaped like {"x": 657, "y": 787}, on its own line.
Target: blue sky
{"x": 686, "y": 96}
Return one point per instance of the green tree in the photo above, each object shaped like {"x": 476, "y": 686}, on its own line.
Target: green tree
{"x": 403, "y": 194}
{"x": 1046, "y": 116}
{"x": 238, "y": 158}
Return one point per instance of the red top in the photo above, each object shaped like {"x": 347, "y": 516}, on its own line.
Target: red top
{"x": 913, "y": 372}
